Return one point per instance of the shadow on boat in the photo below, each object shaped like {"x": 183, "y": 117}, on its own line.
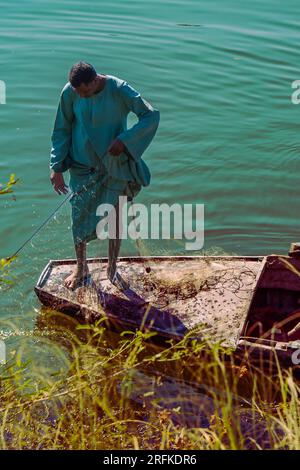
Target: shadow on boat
{"x": 137, "y": 312}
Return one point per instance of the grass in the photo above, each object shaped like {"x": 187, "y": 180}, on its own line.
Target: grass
{"x": 8, "y": 187}
{"x": 5, "y": 262}
{"x": 125, "y": 392}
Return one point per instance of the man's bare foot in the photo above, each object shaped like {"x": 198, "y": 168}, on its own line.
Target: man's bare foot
{"x": 117, "y": 280}
{"x": 76, "y": 277}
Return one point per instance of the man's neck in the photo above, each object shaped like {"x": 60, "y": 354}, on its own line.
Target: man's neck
{"x": 101, "y": 83}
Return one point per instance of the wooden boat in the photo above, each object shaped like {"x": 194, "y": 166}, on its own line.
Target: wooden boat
{"x": 249, "y": 303}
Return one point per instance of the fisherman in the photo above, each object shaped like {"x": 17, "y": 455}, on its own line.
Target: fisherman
{"x": 91, "y": 140}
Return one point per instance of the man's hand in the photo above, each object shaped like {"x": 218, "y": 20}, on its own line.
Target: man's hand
{"x": 116, "y": 148}
{"x": 58, "y": 182}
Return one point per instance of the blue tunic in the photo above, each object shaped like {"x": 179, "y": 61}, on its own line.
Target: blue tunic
{"x": 83, "y": 131}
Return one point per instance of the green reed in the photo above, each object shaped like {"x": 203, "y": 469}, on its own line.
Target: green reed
{"x": 98, "y": 403}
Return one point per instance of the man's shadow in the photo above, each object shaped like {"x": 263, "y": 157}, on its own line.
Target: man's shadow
{"x": 141, "y": 314}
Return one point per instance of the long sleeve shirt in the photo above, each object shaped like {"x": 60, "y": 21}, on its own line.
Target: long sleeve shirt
{"x": 85, "y": 128}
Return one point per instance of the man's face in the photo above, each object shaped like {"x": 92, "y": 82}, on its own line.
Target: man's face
{"x": 86, "y": 91}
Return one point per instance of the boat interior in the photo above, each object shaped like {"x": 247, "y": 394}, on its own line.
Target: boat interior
{"x": 274, "y": 312}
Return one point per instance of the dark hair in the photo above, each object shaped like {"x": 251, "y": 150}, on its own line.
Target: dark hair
{"x": 82, "y": 72}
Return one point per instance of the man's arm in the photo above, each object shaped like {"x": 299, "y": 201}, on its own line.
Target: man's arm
{"x": 61, "y": 141}
{"x": 136, "y": 139}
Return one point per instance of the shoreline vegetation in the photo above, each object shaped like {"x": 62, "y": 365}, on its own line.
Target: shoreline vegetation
{"x": 116, "y": 393}
{"x": 5, "y": 189}
{"x": 8, "y": 187}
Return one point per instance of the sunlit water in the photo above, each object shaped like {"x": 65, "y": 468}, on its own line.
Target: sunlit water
{"x": 219, "y": 72}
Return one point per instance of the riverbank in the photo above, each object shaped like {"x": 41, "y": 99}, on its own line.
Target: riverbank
{"x": 116, "y": 392}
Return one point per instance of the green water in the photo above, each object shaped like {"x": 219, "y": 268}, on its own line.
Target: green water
{"x": 220, "y": 72}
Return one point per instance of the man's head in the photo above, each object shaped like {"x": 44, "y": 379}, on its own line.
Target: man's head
{"x": 84, "y": 79}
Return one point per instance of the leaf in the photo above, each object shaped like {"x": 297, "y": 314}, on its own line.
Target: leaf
{"x": 7, "y": 189}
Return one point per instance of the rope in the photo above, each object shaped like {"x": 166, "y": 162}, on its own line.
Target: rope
{"x": 41, "y": 226}
{"x": 49, "y": 218}
{"x": 57, "y": 209}
{"x": 137, "y": 241}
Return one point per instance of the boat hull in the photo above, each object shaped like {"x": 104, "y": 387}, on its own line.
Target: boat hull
{"x": 200, "y": 297}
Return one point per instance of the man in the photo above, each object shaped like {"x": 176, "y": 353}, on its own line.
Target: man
{"x": 91, "y": 140}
